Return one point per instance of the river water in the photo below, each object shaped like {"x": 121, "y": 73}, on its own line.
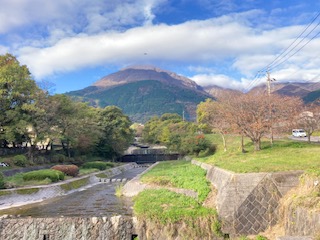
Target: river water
{"x": 99, "y": 200}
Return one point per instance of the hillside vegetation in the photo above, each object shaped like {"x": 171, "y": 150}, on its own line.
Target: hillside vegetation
{"x": 144, "y": 99}
{"x": 283, "y": 155}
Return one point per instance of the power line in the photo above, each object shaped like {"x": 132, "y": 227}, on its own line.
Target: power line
{"x": 283, "y": 52}
{"x": 273, "y": 67}
{"x": 275, "y": 63}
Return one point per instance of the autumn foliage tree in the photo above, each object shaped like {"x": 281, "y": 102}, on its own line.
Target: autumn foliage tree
{"x": 252, "y": 114}
{"x": 309, "y": 119}
{"x": 213, "y": 115}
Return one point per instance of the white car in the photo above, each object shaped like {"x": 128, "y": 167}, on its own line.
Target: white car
{"x": 2, "y": 164}
{"x": 299, "y": 133}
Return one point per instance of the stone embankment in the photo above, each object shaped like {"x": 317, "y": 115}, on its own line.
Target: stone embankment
{"x": 25, "y": 195}
{"x": 249, "y": 203}
{"x": 69, "y": 228}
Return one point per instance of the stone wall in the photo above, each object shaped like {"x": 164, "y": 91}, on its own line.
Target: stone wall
{"x": 248, "y": 203}
{"x": 94, "y": 228}
{"x": 21, "y": 196}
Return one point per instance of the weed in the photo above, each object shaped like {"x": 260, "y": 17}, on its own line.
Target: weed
{"x": 119, "y": 189}
{"x": 75, "y": 184}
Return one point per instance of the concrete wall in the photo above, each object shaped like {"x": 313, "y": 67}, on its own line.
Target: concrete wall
{"x": 20, "y": 196}
{"x": 94, "y": 228}
{"x": 248, "y": 203}
{"x": 300, "y": 221}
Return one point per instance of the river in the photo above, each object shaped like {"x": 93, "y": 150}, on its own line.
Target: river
{"x": 98, "y": 200}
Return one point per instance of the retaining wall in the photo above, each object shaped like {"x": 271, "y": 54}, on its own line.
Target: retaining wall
{"x": 301, "y": 221}
{"x": 94, "y": 228}
{"x": 249, "y": 203}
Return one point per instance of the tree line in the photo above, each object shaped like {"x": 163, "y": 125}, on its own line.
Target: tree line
{"x": 258, "y": 114}
{"x": 31, "y": 116}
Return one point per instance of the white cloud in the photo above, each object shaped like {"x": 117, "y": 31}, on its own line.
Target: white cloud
{"x": 75, "y": 16}
{"x": 195, "y": 41}
{"x": 83, "y": 33}
{"x": 220, "y": 80}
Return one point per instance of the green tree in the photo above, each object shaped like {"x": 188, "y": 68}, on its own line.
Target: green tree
{"x": 74, "y": 123}
{"x": 169, "y": 130}
{"x": 17, "y": 90}
{"x": 116, "y": 132}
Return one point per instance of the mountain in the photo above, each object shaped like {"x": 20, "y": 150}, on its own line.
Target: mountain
{"x": 306, "y": 90}
{"x": 217, "y": 91}
{"x": 145, "y": 91}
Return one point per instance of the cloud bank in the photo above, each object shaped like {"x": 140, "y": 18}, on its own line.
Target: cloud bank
{"x": 228, "y": 50}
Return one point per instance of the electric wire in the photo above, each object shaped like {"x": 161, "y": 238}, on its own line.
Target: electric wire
{"x": 283, "y": 53}
{"x": 275, "y": 63}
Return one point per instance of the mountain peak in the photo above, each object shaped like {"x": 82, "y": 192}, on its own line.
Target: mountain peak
{"x": 143, "y": 67}
{"x": 137, "y": 73}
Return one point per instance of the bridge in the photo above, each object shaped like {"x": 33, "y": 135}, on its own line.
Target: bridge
{"x": 148, "y": 155}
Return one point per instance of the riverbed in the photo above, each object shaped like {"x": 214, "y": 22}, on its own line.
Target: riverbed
{"x": 98, "y": 200}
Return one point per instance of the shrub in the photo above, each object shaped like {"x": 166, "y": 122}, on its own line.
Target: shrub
{"x": 197, "y": 145}
{"x": 58, "y": 158}
{"x": 53, "y": 175}
{"x": 20, "y": 160}
{"x": 39, "y": 160}
{"x": 70, "y": 170}
{"x": 99, "y": 165}
{"x": 1, "y": 181}
{"x": 78, "y": 160}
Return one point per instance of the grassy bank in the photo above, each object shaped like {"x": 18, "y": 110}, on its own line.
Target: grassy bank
{"x": 167, "y": 207}
{"x": 179, "y": 174}
{"x": 283, "y": 155}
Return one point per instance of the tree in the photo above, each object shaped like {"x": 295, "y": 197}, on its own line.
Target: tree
{"x": 74, "y": 123}
{"x": 170, "y": 130}
{"x": 309, "y": 119}
{"x": 249, "y": 114}
{"x": 116, "y": 132}
{"x": 213, "y": 114}
{"x": 17, "y": 90}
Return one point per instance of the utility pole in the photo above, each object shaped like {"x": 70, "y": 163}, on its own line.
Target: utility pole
{"x": 269, "y": 80}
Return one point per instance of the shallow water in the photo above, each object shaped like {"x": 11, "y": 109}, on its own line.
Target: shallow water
{"x": 99, "y": 200}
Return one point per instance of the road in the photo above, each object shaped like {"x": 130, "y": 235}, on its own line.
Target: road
{"x": 312, "y": 138}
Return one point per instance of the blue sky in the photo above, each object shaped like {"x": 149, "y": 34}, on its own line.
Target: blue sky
{"x": 73, "y": 43}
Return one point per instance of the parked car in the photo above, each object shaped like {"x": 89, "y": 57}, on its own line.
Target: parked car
{"x": 3, "y": 164}
{"x": 299, "y": 133}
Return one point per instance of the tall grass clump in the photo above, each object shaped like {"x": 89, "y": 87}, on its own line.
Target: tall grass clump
{"x": 53, "y": 175}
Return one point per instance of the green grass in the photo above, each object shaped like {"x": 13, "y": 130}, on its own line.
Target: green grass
{"x": 27, "y": 191}
{"x": 165, "y": 207}
{"x": 5, "y": 192}
{"x": 17, "y": 181}
{"x": 75, "y": 184}
{"x": 85, "y": 171}
{"x": 179, "y": 174}
{"x": 284, "y": 155}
